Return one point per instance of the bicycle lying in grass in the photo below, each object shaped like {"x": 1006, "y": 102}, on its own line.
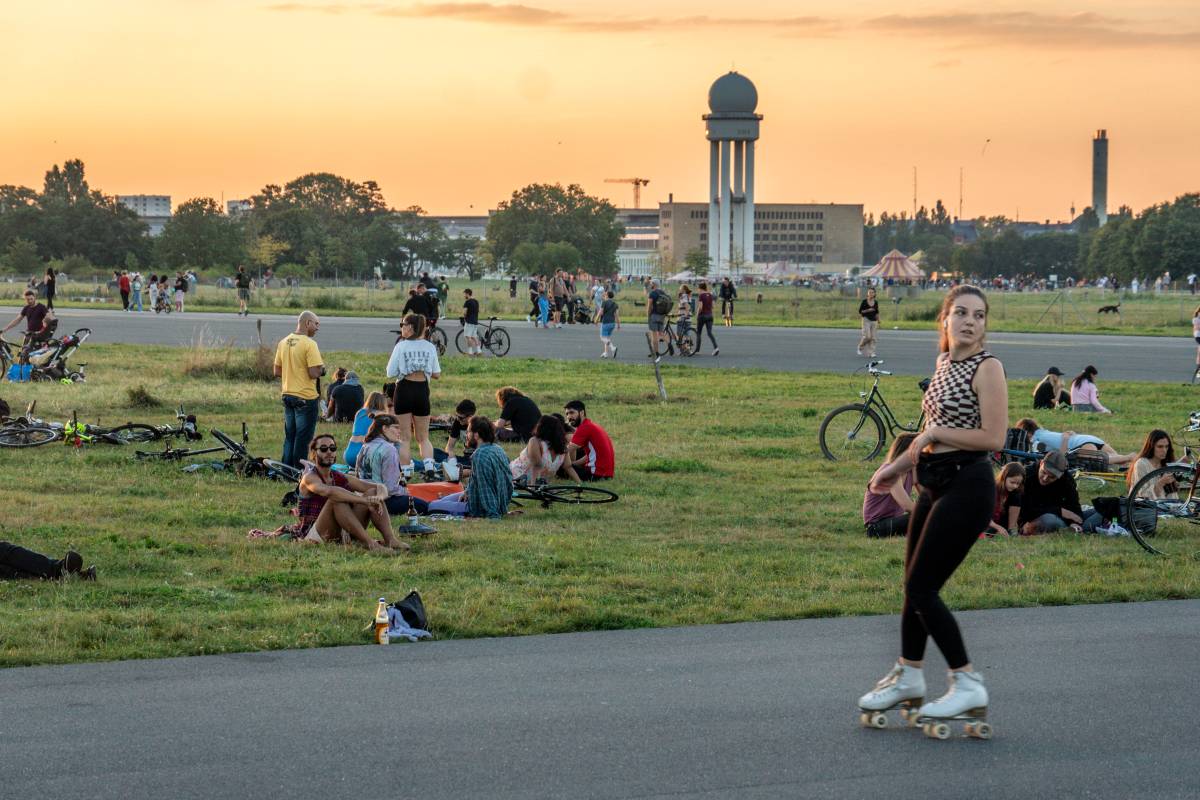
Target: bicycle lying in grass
{"x": 253, "y": 466}
{"x": 29, "y": 431}
{"x": 855, "y": 431}
{"x": 492, "y": 338}
{"x": 1162, "y": 510}
{"x": 574, "y": 494}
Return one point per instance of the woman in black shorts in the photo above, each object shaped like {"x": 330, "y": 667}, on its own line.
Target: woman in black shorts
{"x": 966, "y": 408}
{"x": 414, "y": 361}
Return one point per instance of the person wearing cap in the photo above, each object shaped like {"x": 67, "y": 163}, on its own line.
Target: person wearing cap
{"x": 1050, "y": 500}
{"x": 1050, "y": 393}
{"x": 346, "y": 399}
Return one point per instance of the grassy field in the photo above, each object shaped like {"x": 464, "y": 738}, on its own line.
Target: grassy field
{"x": 727, "y": 513}
{"x": 1143, "y": 314}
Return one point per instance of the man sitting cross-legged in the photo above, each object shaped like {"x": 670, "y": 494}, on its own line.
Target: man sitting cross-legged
{"x": 489, "y": 490}
{"x": 334, "y": 507}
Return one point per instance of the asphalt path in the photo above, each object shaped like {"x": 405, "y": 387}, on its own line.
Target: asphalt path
{"x": 1025, "y": 355}
{"x": 1087, "y": 701}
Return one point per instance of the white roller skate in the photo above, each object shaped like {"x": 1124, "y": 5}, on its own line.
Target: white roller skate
{"x": 904, "y": 687}
{"x": 967, "y": 699}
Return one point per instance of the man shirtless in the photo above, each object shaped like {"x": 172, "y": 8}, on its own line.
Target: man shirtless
{"x": 335, "y": 507}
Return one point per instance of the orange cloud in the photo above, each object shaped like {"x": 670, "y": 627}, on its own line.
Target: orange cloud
{"x": 534, "y": 17}
{"x": 1031, "y": 29}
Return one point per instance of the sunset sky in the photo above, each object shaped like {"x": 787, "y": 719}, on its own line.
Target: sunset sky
{"x": 451, "y": 106}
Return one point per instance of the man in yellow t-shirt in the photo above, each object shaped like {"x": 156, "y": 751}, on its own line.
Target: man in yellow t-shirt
{"x": 298, "y": 362}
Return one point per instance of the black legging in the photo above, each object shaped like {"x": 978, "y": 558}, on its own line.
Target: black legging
{"x": 704, "y": 323}
{"x": 49, "y": 301}
{"x": 534, "y": 311}
{"x": 944, "y": 526}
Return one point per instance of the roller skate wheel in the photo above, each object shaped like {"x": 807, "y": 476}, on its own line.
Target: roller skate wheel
{"x": 982, "y": 730}
{"x": 879, "y": 720}
{"x": 864, "y": 719}
{"x": 937, "y": 730}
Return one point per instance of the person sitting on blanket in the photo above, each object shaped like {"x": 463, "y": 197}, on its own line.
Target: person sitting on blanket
{"x": 334, "y": 507}
{"x": 379, "y": 462}
{"x": 489, "y": 490}
{"x": 1075, "y": 442}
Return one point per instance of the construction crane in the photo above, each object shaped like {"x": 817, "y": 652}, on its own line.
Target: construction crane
{"x": 638, "y": 183}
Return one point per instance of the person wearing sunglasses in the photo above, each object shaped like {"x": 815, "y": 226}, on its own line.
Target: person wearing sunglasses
{"x": 335, "y": 507}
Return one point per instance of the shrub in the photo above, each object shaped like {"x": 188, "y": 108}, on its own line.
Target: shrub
{"x": 224, "y": 360}
{"x": 139, "y": 397}
{"x": 328, "y": 300}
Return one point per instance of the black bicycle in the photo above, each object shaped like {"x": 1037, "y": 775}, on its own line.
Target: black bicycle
{"x": 253, "y": 466}
{"x": 433, "y": 334}
{"x": 684, "y": 344}
{"x": 573, "y": 494}
{"x": 492, "y": 337}
{"x": 855, "y": 431}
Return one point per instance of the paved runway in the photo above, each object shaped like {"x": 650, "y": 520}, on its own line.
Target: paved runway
{"x": 1024, "y": 355}
{"x": 1087, "y": 701}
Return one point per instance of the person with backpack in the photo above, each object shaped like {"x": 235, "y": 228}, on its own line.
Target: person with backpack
{"x": 658, "y": 305}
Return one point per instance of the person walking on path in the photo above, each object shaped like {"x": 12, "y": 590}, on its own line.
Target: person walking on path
{"x": 704, "y": 317}
{"x": 135, "y": 292}
{"x": 728, "y": 293}
{"x": 123, "y": 287}
{"x": 51, "y": 284}
{"x": 868, "y": 309}
{"x": 181, "y": 287}
{"x": 966, "y": 408}
{"x": 298, "y": 362}
{"x": 610, "y": 319}
{"x": 242, "y": 282}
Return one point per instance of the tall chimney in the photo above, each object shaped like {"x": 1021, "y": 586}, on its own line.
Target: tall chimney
{"x": 1100, "y": 175}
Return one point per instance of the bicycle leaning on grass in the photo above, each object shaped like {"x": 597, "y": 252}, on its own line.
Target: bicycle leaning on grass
{"x": 855, "y": 431}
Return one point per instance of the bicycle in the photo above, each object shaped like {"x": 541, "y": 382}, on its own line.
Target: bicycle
{"x": 433, "y": 334}
{"x": 492, "y": 337}
{"x": 573, "y": 494}
{"x": 685, "y": 345}
{"x": 249, "y": 466}
{"x": 28, "y": 431}
{"x": 856, "y": 429}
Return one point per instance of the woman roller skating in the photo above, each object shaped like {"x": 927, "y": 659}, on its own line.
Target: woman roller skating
{"x": 966, "y": 409}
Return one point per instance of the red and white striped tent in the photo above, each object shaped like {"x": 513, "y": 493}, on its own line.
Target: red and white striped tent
{"x": 895, "y": 265}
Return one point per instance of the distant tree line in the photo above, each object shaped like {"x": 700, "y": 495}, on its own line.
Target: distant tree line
{"x": 319, "y": 225}
{"x": 1162, "y": 238}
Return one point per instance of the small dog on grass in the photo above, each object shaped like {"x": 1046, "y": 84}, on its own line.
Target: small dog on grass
{"x": 1116, "y": 309}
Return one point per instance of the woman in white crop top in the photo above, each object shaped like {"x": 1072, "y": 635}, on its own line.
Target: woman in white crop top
{"x": 414, "y": 361}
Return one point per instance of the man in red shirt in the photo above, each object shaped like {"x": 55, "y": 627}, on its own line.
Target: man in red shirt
{"x": 590, "y": 450}
{"x": 123, "y": 285}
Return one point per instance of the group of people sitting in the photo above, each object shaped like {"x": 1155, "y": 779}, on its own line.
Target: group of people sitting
{"x": 1038, "y": 497}
{"x": 338, "y": 506}
{"x": 1080, "y": 395}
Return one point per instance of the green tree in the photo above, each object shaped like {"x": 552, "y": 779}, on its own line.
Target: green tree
{"x": 1181, "y": 244}
{"x": 264, "y": 252}
{"x": 697, "y": 261}
{"x": 540, "y": 214}
{"x": 526, "y": 258}
{"x": 560, "y": 255}
{"x": 22, "y": 257}
{"x": 199, "y": 235}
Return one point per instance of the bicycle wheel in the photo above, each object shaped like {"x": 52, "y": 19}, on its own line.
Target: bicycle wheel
{"x": 1169, "y": 525}
{"x": 499, "y": 342}
{"x": 460, "y": 341}
{"x": 281, "y": 471}
{"x": 130, "y": 432}
{"x": 577, "y": 494}
{"x": 851, "y": 432}
{"x": 438, "y": 337}
{"x": 687, "y": 342}
{"x": 27, "y": 437}
{"x": 233, "y": 447}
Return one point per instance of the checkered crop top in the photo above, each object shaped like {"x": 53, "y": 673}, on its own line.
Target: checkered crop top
{"x": 950, "y": 402}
